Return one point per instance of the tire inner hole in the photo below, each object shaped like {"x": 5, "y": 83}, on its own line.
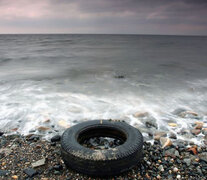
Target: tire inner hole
{"x": 101, "y": 138}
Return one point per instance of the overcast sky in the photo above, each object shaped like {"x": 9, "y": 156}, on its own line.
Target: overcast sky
{"x": 184, "y": 17}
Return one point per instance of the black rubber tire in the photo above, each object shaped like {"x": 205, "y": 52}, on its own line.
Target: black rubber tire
{"x": 102, "y": 163}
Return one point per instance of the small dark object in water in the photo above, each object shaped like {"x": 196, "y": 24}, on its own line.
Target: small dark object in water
{"x": 119, "y": 76}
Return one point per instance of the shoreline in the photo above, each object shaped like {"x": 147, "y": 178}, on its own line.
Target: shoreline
{"x": 30, "y": 157}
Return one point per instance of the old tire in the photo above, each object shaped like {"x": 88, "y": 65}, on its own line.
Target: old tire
{"x": 107, "y": 162}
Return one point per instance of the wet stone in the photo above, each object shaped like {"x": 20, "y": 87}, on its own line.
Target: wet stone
{"x": 1, "y": 133}
{"x": 56, "y": 138}
{"x": 4, "y": 172}
{"x": 30, "y": 172}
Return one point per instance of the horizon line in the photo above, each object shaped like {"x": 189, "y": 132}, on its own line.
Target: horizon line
{"x": 102, "y": 34}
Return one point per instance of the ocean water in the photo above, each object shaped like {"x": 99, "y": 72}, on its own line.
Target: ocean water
{"x": 73, "y": 78}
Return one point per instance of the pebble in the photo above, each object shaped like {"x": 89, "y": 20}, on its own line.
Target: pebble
{"x": 178, "y": 176}
{"x": 1, "y": 133}
{"x": 41, "y": 162}
{"x": 187, "y": 161}
{"x": 172, "y": 124}
{"x": 56, "y": 138}
{"x": 43, "y": 128}
{"x": 30, "y": 172}
{"x": 195, "y": 131}
{"x": 175, "y": 169}
{"x": 4, "y": 172}
{"x": 14, "y": 177}
{"x": 165, "y": 142}
{"x": 141, "y": 114}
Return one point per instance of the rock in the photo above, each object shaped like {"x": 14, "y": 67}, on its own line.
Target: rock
{"x": 30, "y": 172}
{"x": 158, "y": 135}
{"x": 47, "y": 121}
{"x": 187, "y": 161}
{"x": 39, "y": 163}
{"x": 34, "y": 138}
{"x": 1, "y": 133}
{"x": 204, "y": 131}
{"x": 199, "y": 126}
{"x": 172, "y": 136}
{"x": 178, "y": 176}
{"x": 119, "y": 76}
{"x": 175, "y": 170}
{"x": 56, "y": 138}
{"x": 42, "y": 128}
{"x": 193, "y": 150}
{"x": 165, "y": 142}
{"x": 14, "y": 177}
{"x": 172, "y": 124}
{"x": 161, "y": 168}
{"x": 205, "y": 137}
{"x": 58, "y": 167}
{"x": 195, "y": 131}
{"x": 141, "y": 114}
{"x": 172, "y": 152}
{"x": 63, "y": 123}
{"x": 188, "y": 114}
{"x": 5, "y": 151}
{"x": 203, "y": 156}
{"x": 178, "y": 111}
{"x": 4, "y": 172}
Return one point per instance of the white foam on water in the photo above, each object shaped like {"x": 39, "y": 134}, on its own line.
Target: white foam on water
{"x": 28, "y": 105}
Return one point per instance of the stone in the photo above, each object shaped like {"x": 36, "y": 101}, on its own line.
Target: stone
{"x": 1, "y": 133}
{"x": 4, "y": 172}
{"x": 165, "y": 142}
{"x": 34, "y": 138}
{"x": 175, "y": 170}
{"x": 58, "y": 167}
{"x": 42, "y": 128}
{"x": 63, "y": 123}
{"x": 158, "y": 135}
{"x": 178, "y": 111}
{"x": 187, "y": 161}
{"x": 203, "y": 156}
{"x": 56, "y": 138}
{"x": 161, "y": 168}
{"x": 204, "y": 131}
{"x": 30, "y": 172}
{"x": 5, "y": 151}
{"x": 199, "y": 126}
{"x": 172, "y": 124}
{"x": 14, "y": 177}
{"x": 172, "y": 135}
{"x": 193, "y": 150}
{"x": 205, "y": 137}
{"x": 178, "y": 176}
{"x": 195, "y": 131}
{"x": 39, "y": 163}
{"x": 141, "y": 114}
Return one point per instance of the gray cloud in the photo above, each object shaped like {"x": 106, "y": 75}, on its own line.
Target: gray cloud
{"x": 104, "y": 16}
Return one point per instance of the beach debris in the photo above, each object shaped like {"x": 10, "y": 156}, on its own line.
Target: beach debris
{"x": 39, "y": 163}
{"x": 172, "y": 124}
{"x": 164, "y": 141}
{"x": 63, "y": 123}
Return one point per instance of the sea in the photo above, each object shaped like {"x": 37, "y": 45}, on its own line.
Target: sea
{"x": 49, "y": 82}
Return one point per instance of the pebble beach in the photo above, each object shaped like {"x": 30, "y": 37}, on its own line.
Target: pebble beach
{"x": 31, "y": 157}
